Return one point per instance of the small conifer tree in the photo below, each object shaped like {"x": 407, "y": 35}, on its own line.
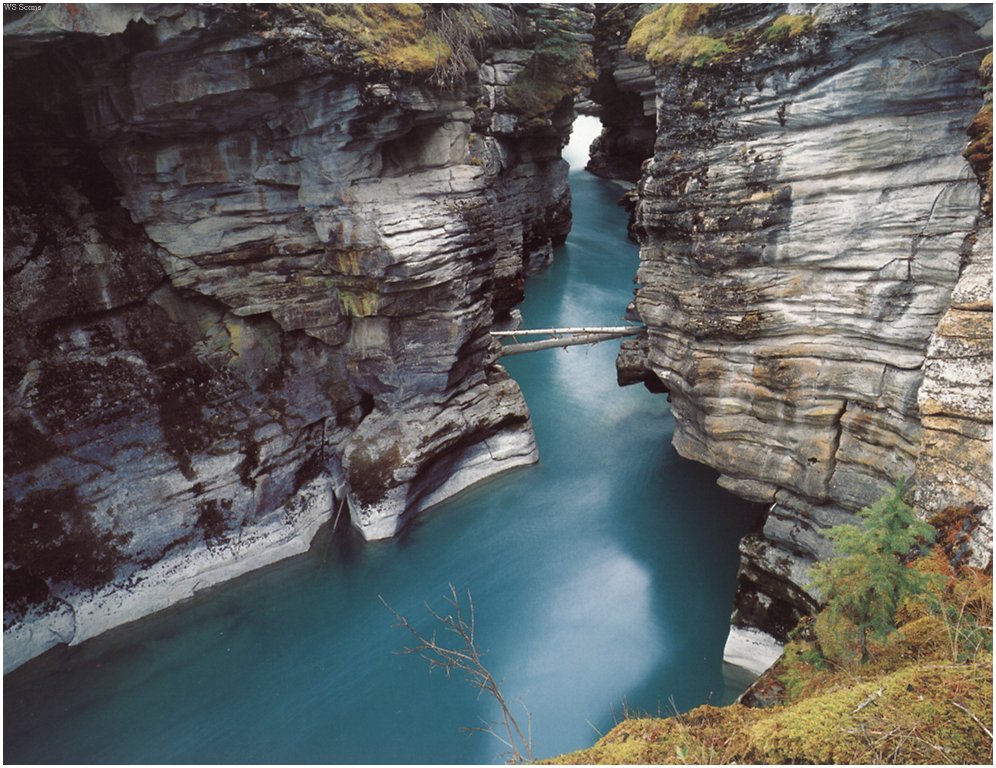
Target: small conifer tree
{"x": 867, "y": 579}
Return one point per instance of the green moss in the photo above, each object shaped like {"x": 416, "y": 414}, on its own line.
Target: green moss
{"x": 907, "y": 713}
{"x": 358, "y": 303}
{"x": 387, "y": 35}
{"x": 350, "y": 261}
{"x": 903, "y": 717}
{"x": 788, "y": 25}
{"x": 706, "y": 735}
{"x": 925, "y": 696}
{"x": 667, "y": 22}
{"x": 671, "y": 35}
{"x": 986, "y": 66}
{"x": 665, "y": 36}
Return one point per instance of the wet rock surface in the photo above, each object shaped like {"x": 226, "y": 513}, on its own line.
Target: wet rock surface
{"x": 815, "y": 274}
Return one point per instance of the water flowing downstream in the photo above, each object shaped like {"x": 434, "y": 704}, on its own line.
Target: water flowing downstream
{"x": 602, "y": 577}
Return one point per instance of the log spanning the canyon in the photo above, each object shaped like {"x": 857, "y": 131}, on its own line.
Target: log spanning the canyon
{"x": 564, "y": 337}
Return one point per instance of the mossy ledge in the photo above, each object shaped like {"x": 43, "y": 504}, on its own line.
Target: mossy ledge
{"x": 666, "y": 36}
{"x": 922, "y": 713}
{"x": 438, "y": 43}
{"x": 925, "y": 697}
{"x": 672, "y": 36}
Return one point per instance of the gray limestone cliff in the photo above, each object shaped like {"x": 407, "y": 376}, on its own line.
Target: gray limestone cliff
{"x": 816, "y": 273}
{"x": 251, "y": 264}
{"x": 624, "y": 95}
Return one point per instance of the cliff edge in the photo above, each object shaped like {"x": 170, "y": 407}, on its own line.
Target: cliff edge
{"x": 816, "y": 273}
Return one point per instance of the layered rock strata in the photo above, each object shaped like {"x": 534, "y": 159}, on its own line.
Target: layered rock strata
{"x": 624, "y": 97}
{"x": 815, "y": 276}
{"x": 954, "y": 467}
{"x": 248, "y": 281}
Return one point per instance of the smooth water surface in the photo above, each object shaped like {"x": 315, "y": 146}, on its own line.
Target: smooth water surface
{"x": 602, "y": 579}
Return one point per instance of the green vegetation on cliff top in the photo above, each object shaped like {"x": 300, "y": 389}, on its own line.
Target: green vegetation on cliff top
{"x": 666, "y": 35}
{"x": 867, "y": 580}
{"x": 443, "y": 42}
{"x": 921, "y": 713}
{"x": 673, "y": 35}
{"x": 788, "y": 25}
{"x": 387, "y": 35}
{"x": 920, "y": 694}
{"x": 437, "y": 41}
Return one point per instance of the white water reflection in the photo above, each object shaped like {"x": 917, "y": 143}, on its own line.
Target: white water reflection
{"x": 595, "y": 637}
{"x": 611, "y": 596}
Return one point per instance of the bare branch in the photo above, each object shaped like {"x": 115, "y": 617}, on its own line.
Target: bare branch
{"x": 978, "y": 722}
{"x": 465, "y": 656}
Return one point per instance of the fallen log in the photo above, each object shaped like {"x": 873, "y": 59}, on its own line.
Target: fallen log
{"x": 567, "y": 341}
{"x": 624, "y": 329}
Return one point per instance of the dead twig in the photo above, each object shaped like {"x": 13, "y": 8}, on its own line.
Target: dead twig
{"x": 465, "y": 656}
{"x": 867, "y": 701}
{"x": 978, "y": 722}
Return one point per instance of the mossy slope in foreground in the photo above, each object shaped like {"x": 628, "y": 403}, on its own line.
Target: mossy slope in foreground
{"x": 925, "y": 696}
{"x": 922, "y": 713}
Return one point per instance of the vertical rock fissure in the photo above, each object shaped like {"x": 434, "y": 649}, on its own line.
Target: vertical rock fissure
{"x": 836, "y": 422}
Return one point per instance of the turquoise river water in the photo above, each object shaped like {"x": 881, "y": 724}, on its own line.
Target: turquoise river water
{"x": 602, "y": 577}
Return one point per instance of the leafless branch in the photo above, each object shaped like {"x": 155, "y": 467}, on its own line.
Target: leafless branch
{"x": 464, "y": 655}
{"x": 978, "y": 722}
{"x": 867, "y": 701}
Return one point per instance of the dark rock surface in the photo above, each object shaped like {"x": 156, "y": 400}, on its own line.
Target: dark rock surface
{"x": 624, "y": 97}
{"x": 249, "y": 278}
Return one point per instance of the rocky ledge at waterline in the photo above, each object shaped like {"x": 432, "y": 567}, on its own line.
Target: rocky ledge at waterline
{"x": 816, "y": 271}
{"x": 252, "y": 257}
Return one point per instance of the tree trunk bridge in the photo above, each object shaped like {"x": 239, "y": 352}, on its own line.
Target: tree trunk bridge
{"x": 564, "y": 337}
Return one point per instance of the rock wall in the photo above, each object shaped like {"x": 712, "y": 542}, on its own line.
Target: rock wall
{"x": 954, "y": 467}
{"x": 249, "y": 278}
{"x": 624, "y": 97}
{"x": 815, "y": 275}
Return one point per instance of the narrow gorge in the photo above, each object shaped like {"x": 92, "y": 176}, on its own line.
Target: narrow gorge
{"x": 253, "y": 259}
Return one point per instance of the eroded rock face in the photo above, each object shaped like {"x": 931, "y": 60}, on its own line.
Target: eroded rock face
{"x": 248, "y": 280}
{"x": 815, "y": 276}
{"x": 954, "y": 468}
{"x": 625, "y": 97}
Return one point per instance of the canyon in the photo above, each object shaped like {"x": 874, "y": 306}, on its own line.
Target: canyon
{"x": 816, "y": 269}
{"x": 251, "y": 267}
{"x": 250, "y": 275}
